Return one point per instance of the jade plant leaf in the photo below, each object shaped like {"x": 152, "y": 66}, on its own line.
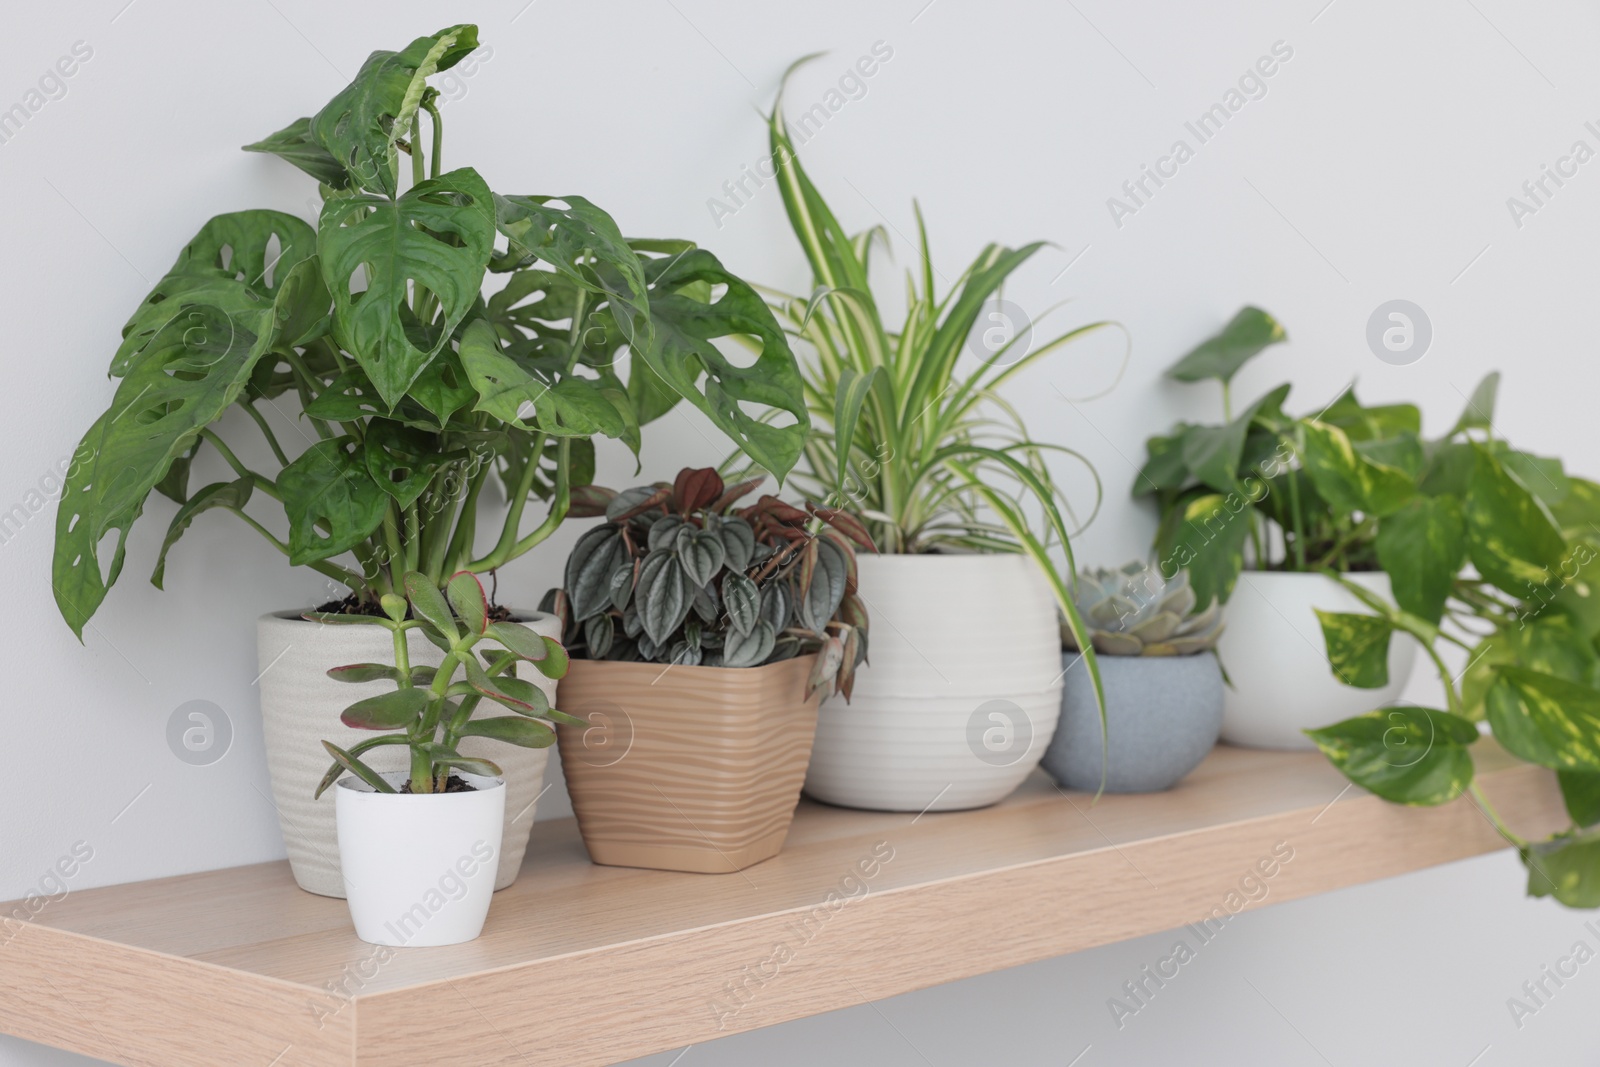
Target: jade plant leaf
{"x": 1220, "y": 357}
{"x": 1421, "y": 547}
{"x": 347, "y": 760}
{"x": 512, "y": 729}
{"x": 361, "y": 125}
{"x": 436, "y": 238}
{"x": 329, "y": 484}
{"x": 1409, "y": 755}
{"x": 1545, "y": 720}
{"x": 1358, "y": 648}
{"x": 428, "y": 604}
{"x": 519, "y": 640}
{"x": 466, "y": 595}
{"x": 1511, "y": 538}
{"x": 386, "y": 711}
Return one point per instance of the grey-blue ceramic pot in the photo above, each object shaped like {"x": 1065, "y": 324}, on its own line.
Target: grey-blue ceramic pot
{"x": 1163, "y": 714}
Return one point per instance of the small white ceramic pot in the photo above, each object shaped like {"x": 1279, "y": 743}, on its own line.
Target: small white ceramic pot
{"x": 1275, "y": 657}
{"x": 419, "y": 869}
{"x": 961, "y": 691}
{"x": 300, "y": 708}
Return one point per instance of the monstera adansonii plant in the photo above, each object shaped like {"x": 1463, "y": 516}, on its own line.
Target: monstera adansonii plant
{"x": 415, "y": 380}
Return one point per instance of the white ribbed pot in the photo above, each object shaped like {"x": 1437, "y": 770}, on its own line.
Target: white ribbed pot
{"x": 1275, "y": 657}
{"x": 961, "y": 691}
{"x": 419, "y": 870}
{"x": 300, "y": 707}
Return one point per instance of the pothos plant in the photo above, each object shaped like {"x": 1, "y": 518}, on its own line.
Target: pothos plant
{"x": 416, "y": 381}
{"x": 1501, "y": 567}
{"x": 429, "y": 711}
{"x": 678, "y": 574}
{"x": 1351, "y": 487}
{"x": 926, "y": 450}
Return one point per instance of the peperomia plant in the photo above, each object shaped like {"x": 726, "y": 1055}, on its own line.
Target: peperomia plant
{"x": 1352, "y": 487}
{"x": 677, "y": 574}
{"x": 415, "y": 382}
{"x": 429, "y": 710}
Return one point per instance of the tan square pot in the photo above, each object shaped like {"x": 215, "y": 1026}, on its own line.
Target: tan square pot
{"x": 686, "y": 768}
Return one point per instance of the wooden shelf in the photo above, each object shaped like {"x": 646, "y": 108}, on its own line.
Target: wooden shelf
{"x": 582, "y": 964}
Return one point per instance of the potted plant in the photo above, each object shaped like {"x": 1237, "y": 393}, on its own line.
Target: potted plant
{"x": 420, "y": 847}
{"x": 1163, "y": 685}
{"x": 1261, "y": 507}
{"x": 965, "y": 599}
{"x": 702, "y": 636}
{"x": 439, "y": 339}
{"x": 1509, "y": 557}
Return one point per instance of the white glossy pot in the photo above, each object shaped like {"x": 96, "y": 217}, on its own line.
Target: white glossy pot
{"x": 1273, "y": 651}
{"x": 300, "y": 707}
{"x": 961, "y": 692}
{"x": 419, "y": 870}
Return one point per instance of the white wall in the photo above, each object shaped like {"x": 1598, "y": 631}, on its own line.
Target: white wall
{"x": 1377, "y": 165}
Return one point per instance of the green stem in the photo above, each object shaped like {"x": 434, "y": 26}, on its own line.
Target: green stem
{"x": 302, "y": 383}
{"x": 1227, "y": 402}
{"x": 1299, "y": 521}
{"x": 445, "y": 548}
{"x": 272, "y": 439}
{"x": 1494, "y": 817}
{"x": 434, "y": 162}
{"x": 391, "y": 540}
{"x": 413, "y": 537}
{"x": 560, "y": 501}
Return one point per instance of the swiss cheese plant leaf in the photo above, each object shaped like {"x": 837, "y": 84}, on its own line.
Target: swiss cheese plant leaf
{"x": 402, "y": 461}
{"x": 525, "y": 396}
{"x": 230, "y": 495}
{"x": 235, "y": 265}
{"x": 1566, "y": 867}
{"x": 1346, "y": 478}
{"x": 1408, "y": 755}
{"x": 1511, "y": 538}
{"x": 1546, "y": 720}
{"x": 296, "y": 144}
{"x": 191, "y": 369}
{"x": 1249, "y": 332}
{"x": 328, "y": 484}
{"x": 361, "y": 125}
{"x": 582, "y": 243}
{"x": 1358, "y": 648}
{"x": 1421, "y": 547}
{"x": 686, "y": 359}
{"x": 436, "y": 238}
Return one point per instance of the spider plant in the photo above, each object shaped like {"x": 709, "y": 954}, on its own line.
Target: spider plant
{"x": 921, "y": 445}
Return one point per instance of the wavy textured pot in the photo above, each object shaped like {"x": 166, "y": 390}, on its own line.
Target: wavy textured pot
{"x": 1274, "y": 654}
{"x": 1163, "y": 714}
{"x": 961, "y": 692}
{"x": 300, "y": 708}
{"x": 419, "y": 870}
{"x": 686, "y": 768}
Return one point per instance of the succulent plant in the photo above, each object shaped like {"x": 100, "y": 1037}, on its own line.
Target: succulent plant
{"x": 676, "y": 574}
{"x": 1134, "y": 611}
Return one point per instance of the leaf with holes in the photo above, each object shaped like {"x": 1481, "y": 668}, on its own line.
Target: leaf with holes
{"x": 437, "y": 237}
{"x": 329, "y": 484}
{"x": 360, "y": 126}
{"x": 402, "y": 461}
{"x": 232, "y": 496}
{"x": 192, "y": 369}
{"x": 296, "y": 144}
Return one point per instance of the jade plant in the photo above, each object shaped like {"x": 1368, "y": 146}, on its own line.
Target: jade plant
{"x": 1349, "y": 487}
{"x": 425, "y": 336}
{"x": 430, "y": 711}
{"x": 1137, "y": 611}
{"x": 678, "y": 574}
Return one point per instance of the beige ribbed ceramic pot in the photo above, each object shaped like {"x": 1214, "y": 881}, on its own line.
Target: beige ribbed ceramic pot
{"x": 300, "y": 708}
{"x": 686, "y": 768}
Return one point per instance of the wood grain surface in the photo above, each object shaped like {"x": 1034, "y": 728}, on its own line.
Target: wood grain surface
{"x": 239, "y": 966}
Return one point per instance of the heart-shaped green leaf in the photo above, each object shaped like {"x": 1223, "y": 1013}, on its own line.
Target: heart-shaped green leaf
{"x": 1546, "y": 720}
{"x": 1511, "y": 538}
{"x": 1358, "y": 648}
{"x": 1405, "y": 754}
{"x": 1421, "y": 547}
{"x": 1220, "y": 357}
